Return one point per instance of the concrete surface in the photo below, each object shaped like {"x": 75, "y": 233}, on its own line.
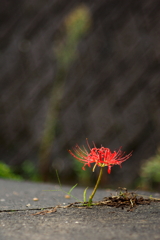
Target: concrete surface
{"x": 18, "y": 222}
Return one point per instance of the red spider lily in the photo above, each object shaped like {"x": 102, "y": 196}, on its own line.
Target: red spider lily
{"x": 102, "y": 157}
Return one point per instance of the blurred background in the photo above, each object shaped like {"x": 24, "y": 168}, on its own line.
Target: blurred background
{"x": 71, "y": 70}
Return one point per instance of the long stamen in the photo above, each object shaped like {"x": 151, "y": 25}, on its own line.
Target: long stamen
{"x": 94, "y": 145}
{"x": 88, "y": 144}
{"x": 125, "y": 157}
{"x": 85, "y": 150}
{"x": 80, "y": 149}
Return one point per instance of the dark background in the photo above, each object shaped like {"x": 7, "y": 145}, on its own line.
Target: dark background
{"x": 109, "y": 90}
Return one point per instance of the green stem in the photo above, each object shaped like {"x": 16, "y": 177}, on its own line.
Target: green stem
{"x": 96, "y": 186}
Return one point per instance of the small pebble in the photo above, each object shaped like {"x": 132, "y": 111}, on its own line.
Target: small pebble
{"x": 15, "y": 193}
{"x": 67, "y": 196}
{"x": 35, "y": 199}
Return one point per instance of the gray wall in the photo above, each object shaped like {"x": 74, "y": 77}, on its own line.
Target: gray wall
{"x": 112, "y": 90}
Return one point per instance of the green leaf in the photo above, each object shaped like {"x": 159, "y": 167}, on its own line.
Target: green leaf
{"x": 84, "y": 195}
{"x": 72, "y": 188}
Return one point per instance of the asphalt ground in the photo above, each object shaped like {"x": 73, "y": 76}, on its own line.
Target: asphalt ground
{"x": 21, "y": 201}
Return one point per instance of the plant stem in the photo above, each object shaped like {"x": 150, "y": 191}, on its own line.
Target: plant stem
{"x": 96, "y": 186}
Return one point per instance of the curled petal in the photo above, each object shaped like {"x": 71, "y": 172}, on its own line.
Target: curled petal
{"x": 109, "y": 169}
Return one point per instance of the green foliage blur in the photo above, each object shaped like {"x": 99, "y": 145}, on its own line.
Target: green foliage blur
{"x": 83, "y": 177}
{"x": 6, "y": 172}
{"x": 27, "y": 171}
{"x": 75, "y": 26}
{"x": 150, "y": 173}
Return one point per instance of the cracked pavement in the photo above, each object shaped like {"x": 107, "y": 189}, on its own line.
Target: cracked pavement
{"x": 20, "y": 200}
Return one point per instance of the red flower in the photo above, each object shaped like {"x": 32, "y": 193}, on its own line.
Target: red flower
{"x": 102, "y": 157}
